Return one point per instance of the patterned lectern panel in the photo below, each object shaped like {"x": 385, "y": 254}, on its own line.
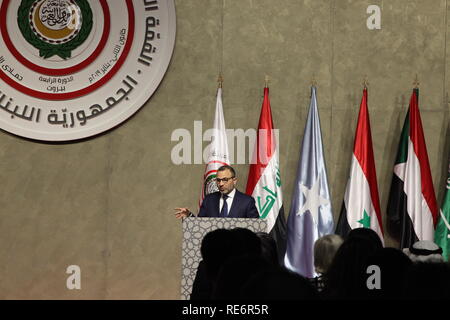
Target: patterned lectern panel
{"x": 194, "y": 229}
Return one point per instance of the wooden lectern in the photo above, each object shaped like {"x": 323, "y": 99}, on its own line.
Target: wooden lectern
{"x": 194, "y": 229}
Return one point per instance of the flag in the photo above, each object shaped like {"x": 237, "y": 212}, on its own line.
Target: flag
{"x": 361, "y": 207}
{"x": 310, "y": 216}
{"x": 218, "y": 154}
{"x": 442, "y": 235}
{"x": 412, "y": 206}
{"x": 264, "y": 178}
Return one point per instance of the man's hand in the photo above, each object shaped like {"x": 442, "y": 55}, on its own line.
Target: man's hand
{"x": 182, "y": 213}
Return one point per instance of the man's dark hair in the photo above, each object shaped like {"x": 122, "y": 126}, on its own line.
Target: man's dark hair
{"x": 223, "y": 168}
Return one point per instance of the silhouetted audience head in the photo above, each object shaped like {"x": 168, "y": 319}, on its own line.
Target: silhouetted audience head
{"x": 244, "y": 242}
{"x": 424, "y": 251}
{"x": 368, "y": 234}
{"x": 215, "y": 249}
{"x": 268, "y": 248}
{"x": 239, "y": 264}
{"x": 202, "y": 285}
{"x": 427, "y": 280}
{"x": 234, "y": 273}
{"x": 278, "y": 284}
{"x": 325, "y": 249}
{"x": 393, "y": 264}
{"x": 221, "y": 244}
{"x": 346, "y": 277}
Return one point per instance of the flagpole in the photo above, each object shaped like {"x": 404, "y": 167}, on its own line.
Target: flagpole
{"x": 266, "y": 81}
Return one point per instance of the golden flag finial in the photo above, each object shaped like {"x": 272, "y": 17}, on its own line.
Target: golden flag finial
{"x": 416, "y": 82}
{"x": 313, "y": 81}
{"x": 266, "y": 81}
{"x": 365, "y": 81}
{"x": 220, "y": 80}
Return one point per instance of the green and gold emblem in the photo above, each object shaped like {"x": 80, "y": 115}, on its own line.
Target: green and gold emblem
{"x": 55, "y": 27}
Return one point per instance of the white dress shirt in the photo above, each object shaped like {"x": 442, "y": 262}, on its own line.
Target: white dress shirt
{"x": 229, "y": 201}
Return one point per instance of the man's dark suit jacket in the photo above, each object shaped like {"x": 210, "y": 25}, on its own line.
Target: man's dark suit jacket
{"x": 243, "y": 206}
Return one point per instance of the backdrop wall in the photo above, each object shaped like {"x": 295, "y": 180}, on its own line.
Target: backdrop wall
{"x": 106, "y": 204}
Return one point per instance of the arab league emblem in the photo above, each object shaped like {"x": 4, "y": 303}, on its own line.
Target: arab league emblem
{"x": 71, "y": 69}
{"x": 55, "y": 27}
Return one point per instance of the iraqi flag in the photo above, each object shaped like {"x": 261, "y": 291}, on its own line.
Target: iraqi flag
{"x": 217, "y": 151}
{"x": 412, "y": 209}
{"x": 264, "y": 179}
{"x": 361, "y": 207}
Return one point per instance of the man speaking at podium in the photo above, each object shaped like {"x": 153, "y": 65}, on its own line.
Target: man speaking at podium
{"x": 227, "y": 202}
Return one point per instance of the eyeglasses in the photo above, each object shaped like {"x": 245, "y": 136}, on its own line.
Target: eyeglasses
{"x": 224, "y": 179}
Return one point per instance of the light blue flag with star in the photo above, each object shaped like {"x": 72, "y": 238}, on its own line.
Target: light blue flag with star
{"x": 310, "y": 215}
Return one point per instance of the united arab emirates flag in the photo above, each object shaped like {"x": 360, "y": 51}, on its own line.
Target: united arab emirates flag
{"x": 361, "y": 207}
{"x": 442, "y": 235}
{"x": 264, "y": 179}
{"x": 412, "y": 210}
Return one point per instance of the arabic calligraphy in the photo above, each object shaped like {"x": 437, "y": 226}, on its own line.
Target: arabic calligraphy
{"x": 10, "y": 70}
{"x": 147, "y": 48}
{"x": 123, "y": 36}
{"x": 55, "y": 14}
{"x": 271, "y": 197}
{"x": 65, "y": 118}
{"x": 17, "y": 112}
{"x": 151, "y": 5}
{"x": 100, "y": 72}
{"x": 56, "y": 85}
{"x": 107, "y": 65}
{"x": 54, "y": 80}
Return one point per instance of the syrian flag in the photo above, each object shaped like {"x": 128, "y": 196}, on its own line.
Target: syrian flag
{"x": 361, "y": 207}
{"x": 310, "y": 216}
{"x": 442, "y": 235}
{"x": 412, "y": 203}
{"x": 264, "y": 179}
{"x": 217, "y": 151}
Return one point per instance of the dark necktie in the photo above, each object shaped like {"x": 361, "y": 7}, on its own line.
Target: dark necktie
{"x": 224, "y": 211}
